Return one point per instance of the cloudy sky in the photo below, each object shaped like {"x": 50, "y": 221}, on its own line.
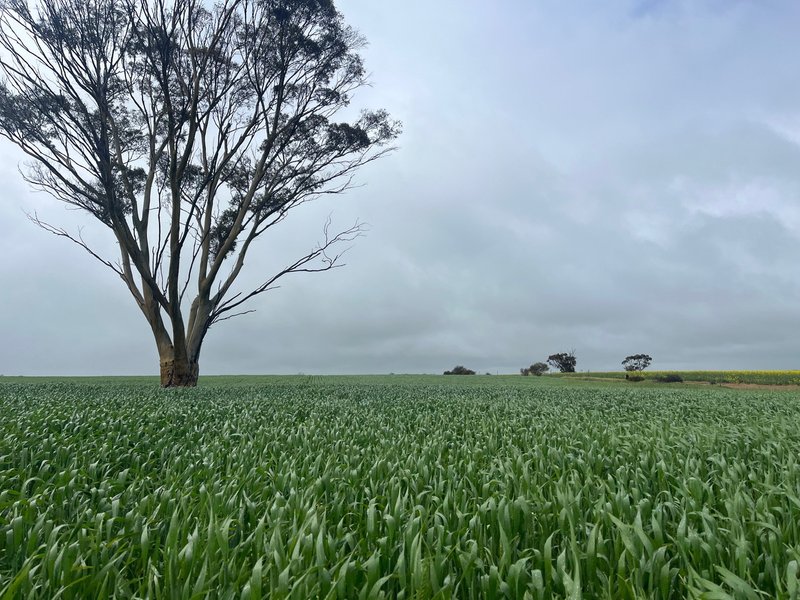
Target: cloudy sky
{"x": 611, "y": 177}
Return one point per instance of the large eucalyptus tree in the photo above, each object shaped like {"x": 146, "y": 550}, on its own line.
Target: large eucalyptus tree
{"x": 188, "y": 129}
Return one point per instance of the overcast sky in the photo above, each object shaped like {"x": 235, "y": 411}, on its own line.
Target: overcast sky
{"x": 611, "y": 177}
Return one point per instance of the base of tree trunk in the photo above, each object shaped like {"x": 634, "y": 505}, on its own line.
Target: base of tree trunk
{"x": 179, "y": 373}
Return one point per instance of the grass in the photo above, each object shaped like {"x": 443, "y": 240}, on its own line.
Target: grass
{"x": 397, "y": 487}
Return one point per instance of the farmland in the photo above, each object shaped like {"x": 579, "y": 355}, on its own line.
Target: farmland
{"x": 397, "y": 487}
{"x": 723, "y": 377}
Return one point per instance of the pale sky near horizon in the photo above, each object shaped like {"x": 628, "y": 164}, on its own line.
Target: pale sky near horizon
{"x": 611, "y": 177}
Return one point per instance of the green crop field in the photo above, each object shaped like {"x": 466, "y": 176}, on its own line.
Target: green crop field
{"x": 397, "y": 487}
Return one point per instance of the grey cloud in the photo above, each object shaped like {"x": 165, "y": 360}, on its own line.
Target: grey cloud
{"x": 598, "y": 176}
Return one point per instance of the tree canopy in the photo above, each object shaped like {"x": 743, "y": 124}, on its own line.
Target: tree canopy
{"x": 565, "y": 362}
{"x": 537, "y": 368}
{"x": 460, "y": 370}
{"x": 637, "y": 362}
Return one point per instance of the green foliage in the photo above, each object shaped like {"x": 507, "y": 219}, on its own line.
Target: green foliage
{"x": 460, "y": 370}
{"x": 538, "y": 369}
{"x": 637, "y": 362}
{"x": 396, "y": 487}
{"x": 563, "y": 361}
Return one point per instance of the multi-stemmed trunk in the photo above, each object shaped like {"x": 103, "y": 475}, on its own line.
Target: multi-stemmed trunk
{"x": 180, "y": 366}
{"x": 179, "y": 371}
{"x": 179, "y": 350}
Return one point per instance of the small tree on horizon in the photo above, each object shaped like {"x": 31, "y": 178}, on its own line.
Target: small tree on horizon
{"x": 565, "y": 362}
{"x": 538, "y": 369}
{"x": 637, "y": 362}
{"x": 460, "y": 370}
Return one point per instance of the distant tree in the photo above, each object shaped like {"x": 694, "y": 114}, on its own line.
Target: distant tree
{"x": 459, "y": 370}
{"x": 563, "y": 361}
{"x": 637, "y": 362}
{"x": 537, "y": 369}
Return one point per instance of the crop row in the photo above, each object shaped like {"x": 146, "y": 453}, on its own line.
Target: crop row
{"x": 334, "y": 489}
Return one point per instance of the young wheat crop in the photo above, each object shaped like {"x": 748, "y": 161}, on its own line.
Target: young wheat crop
{"x": 390, "y": 488}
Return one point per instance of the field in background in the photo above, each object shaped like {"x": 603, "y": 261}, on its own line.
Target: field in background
{"x": 397, "y": 487}
{"x": 736, "y": 377}
{"x": 747, "y": 377}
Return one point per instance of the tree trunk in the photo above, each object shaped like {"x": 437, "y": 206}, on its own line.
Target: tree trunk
{"x": 178, "y": 356}
{"x": 179, "y": 372}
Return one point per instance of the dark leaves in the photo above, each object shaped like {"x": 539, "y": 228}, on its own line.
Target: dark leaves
{"x": 32, "y": 115}
{"x": 343, "y": 137}
{"x": 637, "y": 362}
{"x": 221, "y": 231}
{"x": 565, "y": 362}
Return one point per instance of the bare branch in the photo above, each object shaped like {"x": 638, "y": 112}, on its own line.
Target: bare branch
{"x": 238, "y": 314}
{"x": 76, "y": 239}
{"x": 301, "y": 265}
